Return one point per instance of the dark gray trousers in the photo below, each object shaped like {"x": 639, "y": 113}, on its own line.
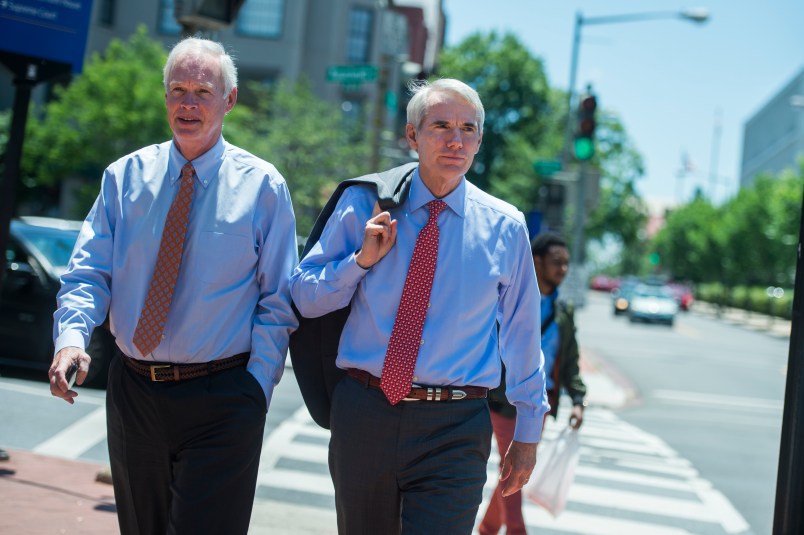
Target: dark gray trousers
{"x": 184, "y": 455}
{"x": 417, "y": 467}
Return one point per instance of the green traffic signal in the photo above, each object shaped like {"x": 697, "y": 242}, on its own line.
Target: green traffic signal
{"x": 584, "y": 148}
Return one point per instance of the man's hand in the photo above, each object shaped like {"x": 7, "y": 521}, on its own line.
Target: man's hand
{"x": 576, "y": 417}
{"x": 378, "y": 238}
{"x": 517, "y": 466}
{"x": 58, "y": 372}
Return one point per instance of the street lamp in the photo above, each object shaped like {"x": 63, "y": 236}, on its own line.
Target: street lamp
{"x": 696, "y": 15}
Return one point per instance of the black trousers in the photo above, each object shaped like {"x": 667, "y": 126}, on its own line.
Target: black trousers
{"x": 416, "y": 467}
{"x": 184, "y": 455}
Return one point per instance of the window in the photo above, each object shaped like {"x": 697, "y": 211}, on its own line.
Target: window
{"x": 261, "y": 18}
{"x": 358, "y": 44}
{"x": 106, "y": 11}
{"x": 167, "y": 19}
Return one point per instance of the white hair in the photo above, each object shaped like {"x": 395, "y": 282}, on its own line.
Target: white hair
{"x": 422, "y": 89}
{"x": 198, "y": 47}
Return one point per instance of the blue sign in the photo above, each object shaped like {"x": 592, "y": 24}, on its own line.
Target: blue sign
{"x": 54, "y": 30}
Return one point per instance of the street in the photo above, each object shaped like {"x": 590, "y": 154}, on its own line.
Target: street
{"x": 694, "y": 452}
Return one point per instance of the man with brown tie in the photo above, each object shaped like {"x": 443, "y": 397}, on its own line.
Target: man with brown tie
{"x": 187, "y": 250}
{"x": 441, "y": 288}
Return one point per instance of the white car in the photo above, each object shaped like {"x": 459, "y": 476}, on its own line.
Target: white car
{"x": 652, "y": 303}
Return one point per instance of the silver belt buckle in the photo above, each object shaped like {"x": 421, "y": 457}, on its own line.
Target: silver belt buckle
{"x": 458, "y": 394}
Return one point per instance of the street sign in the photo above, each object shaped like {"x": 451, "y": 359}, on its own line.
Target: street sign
{"x": 546, "y": 167}
{"x": 53, "y": 30}
{"x": 351, "y": 74}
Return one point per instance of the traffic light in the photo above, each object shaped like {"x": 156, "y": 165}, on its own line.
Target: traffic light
{"x": 585, "y": 132}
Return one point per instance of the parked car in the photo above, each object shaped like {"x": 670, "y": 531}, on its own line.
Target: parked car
{"x": 604, "y": 283}
{"x": 651, "y": 303}
{"x": 37, "y": 254}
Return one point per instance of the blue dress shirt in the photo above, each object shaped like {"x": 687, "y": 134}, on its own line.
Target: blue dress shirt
{"x": 484, "y": 275}
{"x": 231, "y": 295}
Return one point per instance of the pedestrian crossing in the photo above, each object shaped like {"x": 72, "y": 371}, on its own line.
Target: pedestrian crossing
{"x": 628, "y": 482}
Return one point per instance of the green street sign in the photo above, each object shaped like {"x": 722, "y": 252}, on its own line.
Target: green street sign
{"x": 546, "y": 167}
{"x": 351, "y": 74}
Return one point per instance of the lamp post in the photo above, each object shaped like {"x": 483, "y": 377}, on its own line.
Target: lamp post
{"x": 696, "y": 15}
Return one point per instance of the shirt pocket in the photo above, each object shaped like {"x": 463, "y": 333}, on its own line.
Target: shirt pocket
{"x": 223, "y": 259}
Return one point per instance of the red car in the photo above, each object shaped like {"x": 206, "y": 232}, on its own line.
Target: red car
{"x": 683, "y": 295}
{"x": 604, "y": 283}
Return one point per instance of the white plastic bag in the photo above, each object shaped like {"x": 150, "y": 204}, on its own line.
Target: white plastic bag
{"x": 555, "y": 469}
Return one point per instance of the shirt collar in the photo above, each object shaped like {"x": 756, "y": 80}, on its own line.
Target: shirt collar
{"x": 420, "y": 195}
{"x": 206, "y": 166}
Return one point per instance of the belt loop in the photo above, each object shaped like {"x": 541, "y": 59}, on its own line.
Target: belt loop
{"x": 176, "y": 375}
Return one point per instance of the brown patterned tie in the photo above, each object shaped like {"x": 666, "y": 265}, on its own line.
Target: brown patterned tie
{"x": 157, "y": 303}
{"x": 406, "y": 336}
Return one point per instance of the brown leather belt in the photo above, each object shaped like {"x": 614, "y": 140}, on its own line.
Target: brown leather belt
{"x": 170, "y": 371}
{"x": 424, "y": 393}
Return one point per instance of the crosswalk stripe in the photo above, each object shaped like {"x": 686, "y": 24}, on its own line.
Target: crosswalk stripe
{"x": 620, "y": 466}
{"x": 75, "y": 439}
{"x": 586, "y": 524}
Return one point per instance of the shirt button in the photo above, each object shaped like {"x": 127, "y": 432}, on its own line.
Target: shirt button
{"x": 164, "y": 336}
{"x": 415, "y": 379}
{"x": 422, "y": 342}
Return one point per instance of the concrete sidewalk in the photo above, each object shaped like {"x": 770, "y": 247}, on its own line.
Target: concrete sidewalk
{"x": 45, "y": 495}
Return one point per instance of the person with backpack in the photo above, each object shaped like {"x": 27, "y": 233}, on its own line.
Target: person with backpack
{"x": 560, "y": 348}
{"x": 428, "y": 282}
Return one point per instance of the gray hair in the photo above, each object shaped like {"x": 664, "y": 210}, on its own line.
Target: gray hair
{"x": 422, "y": 89}
{"x": 196, "y": 47}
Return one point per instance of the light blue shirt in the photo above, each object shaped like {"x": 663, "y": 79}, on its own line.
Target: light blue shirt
{"x": 550, "y": 337}
{"x": 231, "y": 295}
{"x": 484, "y": 274}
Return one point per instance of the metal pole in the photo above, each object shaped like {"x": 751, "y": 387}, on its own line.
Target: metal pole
{"x": 8, "y": 189}
{"x": 566, "y": 156}
{"x": 788, "y": 516}
{"x": 578, "y": 245}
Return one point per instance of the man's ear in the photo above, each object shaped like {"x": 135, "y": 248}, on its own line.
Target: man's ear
{"x": 410, "y": 135}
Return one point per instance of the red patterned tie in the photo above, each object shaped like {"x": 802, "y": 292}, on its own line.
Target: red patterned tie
{"x": 157, "y": 303}
{"x": 406, "y": 337}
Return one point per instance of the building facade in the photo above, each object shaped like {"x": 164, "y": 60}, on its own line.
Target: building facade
{"x": 355, "y": 53}
{"x": 773, "y": 138}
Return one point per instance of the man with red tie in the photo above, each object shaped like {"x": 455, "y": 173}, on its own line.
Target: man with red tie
{"x": 187, "y": 251}
{"x": 442, "y": 289}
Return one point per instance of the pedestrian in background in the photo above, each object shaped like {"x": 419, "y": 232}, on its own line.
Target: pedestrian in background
{"x": 188, "y": 249}
{"x": 429, "y": 282}
{"x": 560, "y": 349}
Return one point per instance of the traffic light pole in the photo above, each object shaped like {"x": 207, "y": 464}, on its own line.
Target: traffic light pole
{"x": 578, "y": 237}
{"x": 788, "y": 518}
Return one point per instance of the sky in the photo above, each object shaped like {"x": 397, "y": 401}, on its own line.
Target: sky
{"x": 668, "y": 80}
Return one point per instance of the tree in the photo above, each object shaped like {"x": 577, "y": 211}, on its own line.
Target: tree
{"x": 689, "y": 245}
{"x": 620, "y": 214}
{"x": 516, "y": 97}
{"x": 116, "y": 105}
{"x": 307, "y": 139}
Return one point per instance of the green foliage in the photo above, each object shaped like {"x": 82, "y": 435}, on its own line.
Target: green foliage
{"x": 114, "y": 107}
{"x": 749, "y": 298}
{"x": 690, "y": 246}
{"x": 516, "y": 97}
{"x": 748, "y": 242}
{"x": 305, "y": 138}
{"x": 621, "y": 214}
